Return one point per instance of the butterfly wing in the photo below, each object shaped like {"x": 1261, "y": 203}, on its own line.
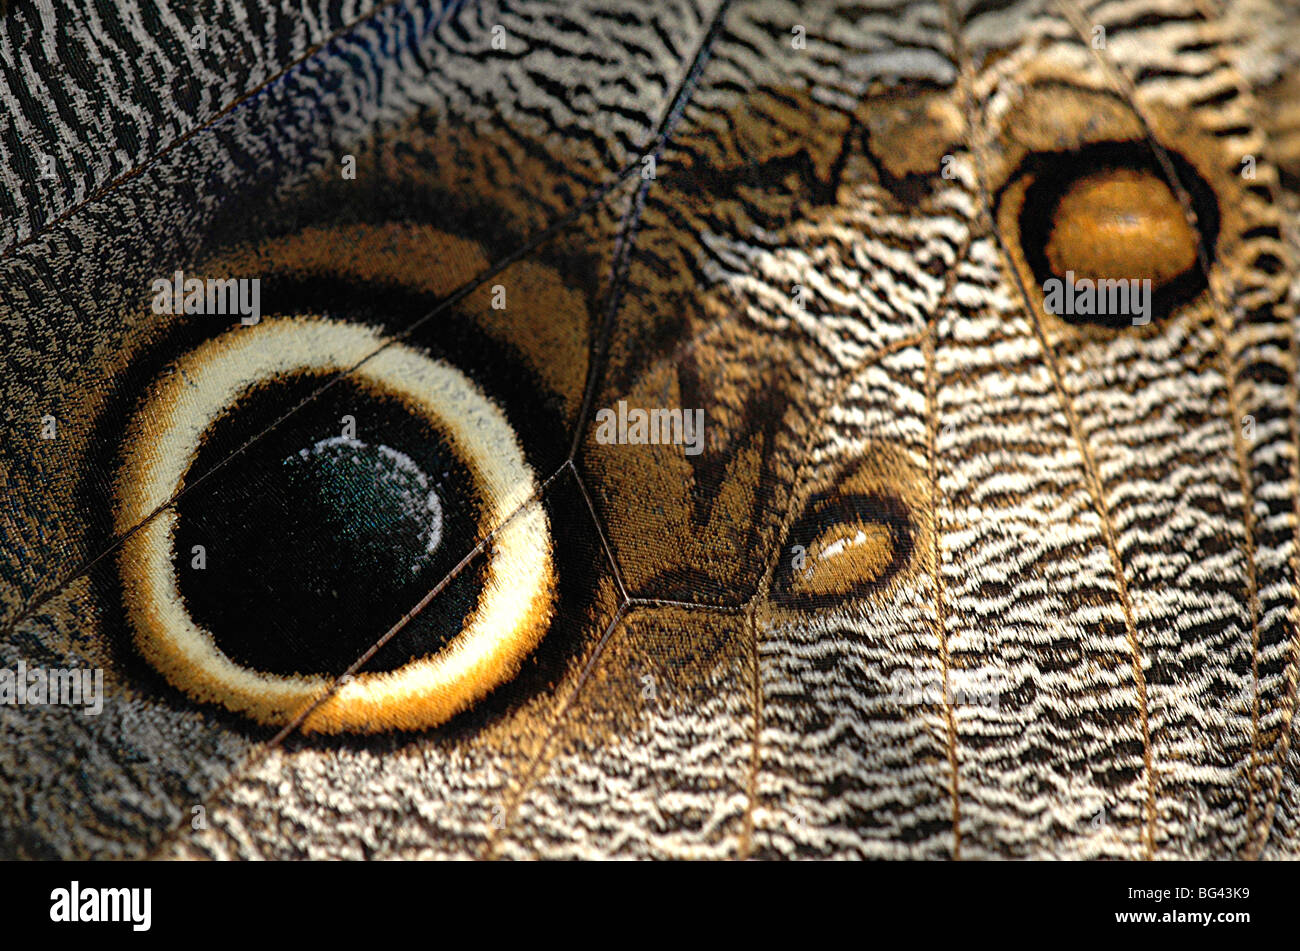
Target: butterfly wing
{"x": 938, "y": 574}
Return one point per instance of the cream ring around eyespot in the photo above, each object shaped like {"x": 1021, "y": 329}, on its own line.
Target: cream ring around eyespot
{"x": 163, "y": 440}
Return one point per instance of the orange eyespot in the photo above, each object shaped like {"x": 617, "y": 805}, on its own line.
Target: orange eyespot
{"x": 857, "y": 536}
{"x": 1121, "y": 223}
{"x": 1107, "y": 213}
{"x": 857, "y": 550}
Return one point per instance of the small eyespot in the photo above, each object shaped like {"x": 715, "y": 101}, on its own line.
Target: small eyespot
{"x": 857, "y": 537}
{"x": 314, "y": 543}
{"x": 855, "y": 543}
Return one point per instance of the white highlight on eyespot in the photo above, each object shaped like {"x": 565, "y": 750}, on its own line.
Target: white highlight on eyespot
{"x": 403, "y": 463}
{"x": 835, "y": 547}
{"x": 162, "y": 442}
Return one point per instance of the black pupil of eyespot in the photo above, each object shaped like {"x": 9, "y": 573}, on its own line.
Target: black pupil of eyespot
{"x": 317, "y": 539}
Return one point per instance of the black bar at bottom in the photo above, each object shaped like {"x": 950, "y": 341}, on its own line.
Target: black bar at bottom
{"x": 669, "y": 901}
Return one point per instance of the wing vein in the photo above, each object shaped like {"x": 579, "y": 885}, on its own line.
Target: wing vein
{"x": 620, "y": 268}
{"x": 936, "y": 545}
{"x": 745, "y": 845}
{"x": 1091, "y": 474}
{"x": 1223, "y": 329}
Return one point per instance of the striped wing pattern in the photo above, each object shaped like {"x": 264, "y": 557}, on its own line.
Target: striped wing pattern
{"x": 1098, "y": 527}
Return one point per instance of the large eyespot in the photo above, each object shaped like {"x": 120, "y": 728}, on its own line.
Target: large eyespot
{"x": 1105, "y": 237}
{"x": 317, "y": 542}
